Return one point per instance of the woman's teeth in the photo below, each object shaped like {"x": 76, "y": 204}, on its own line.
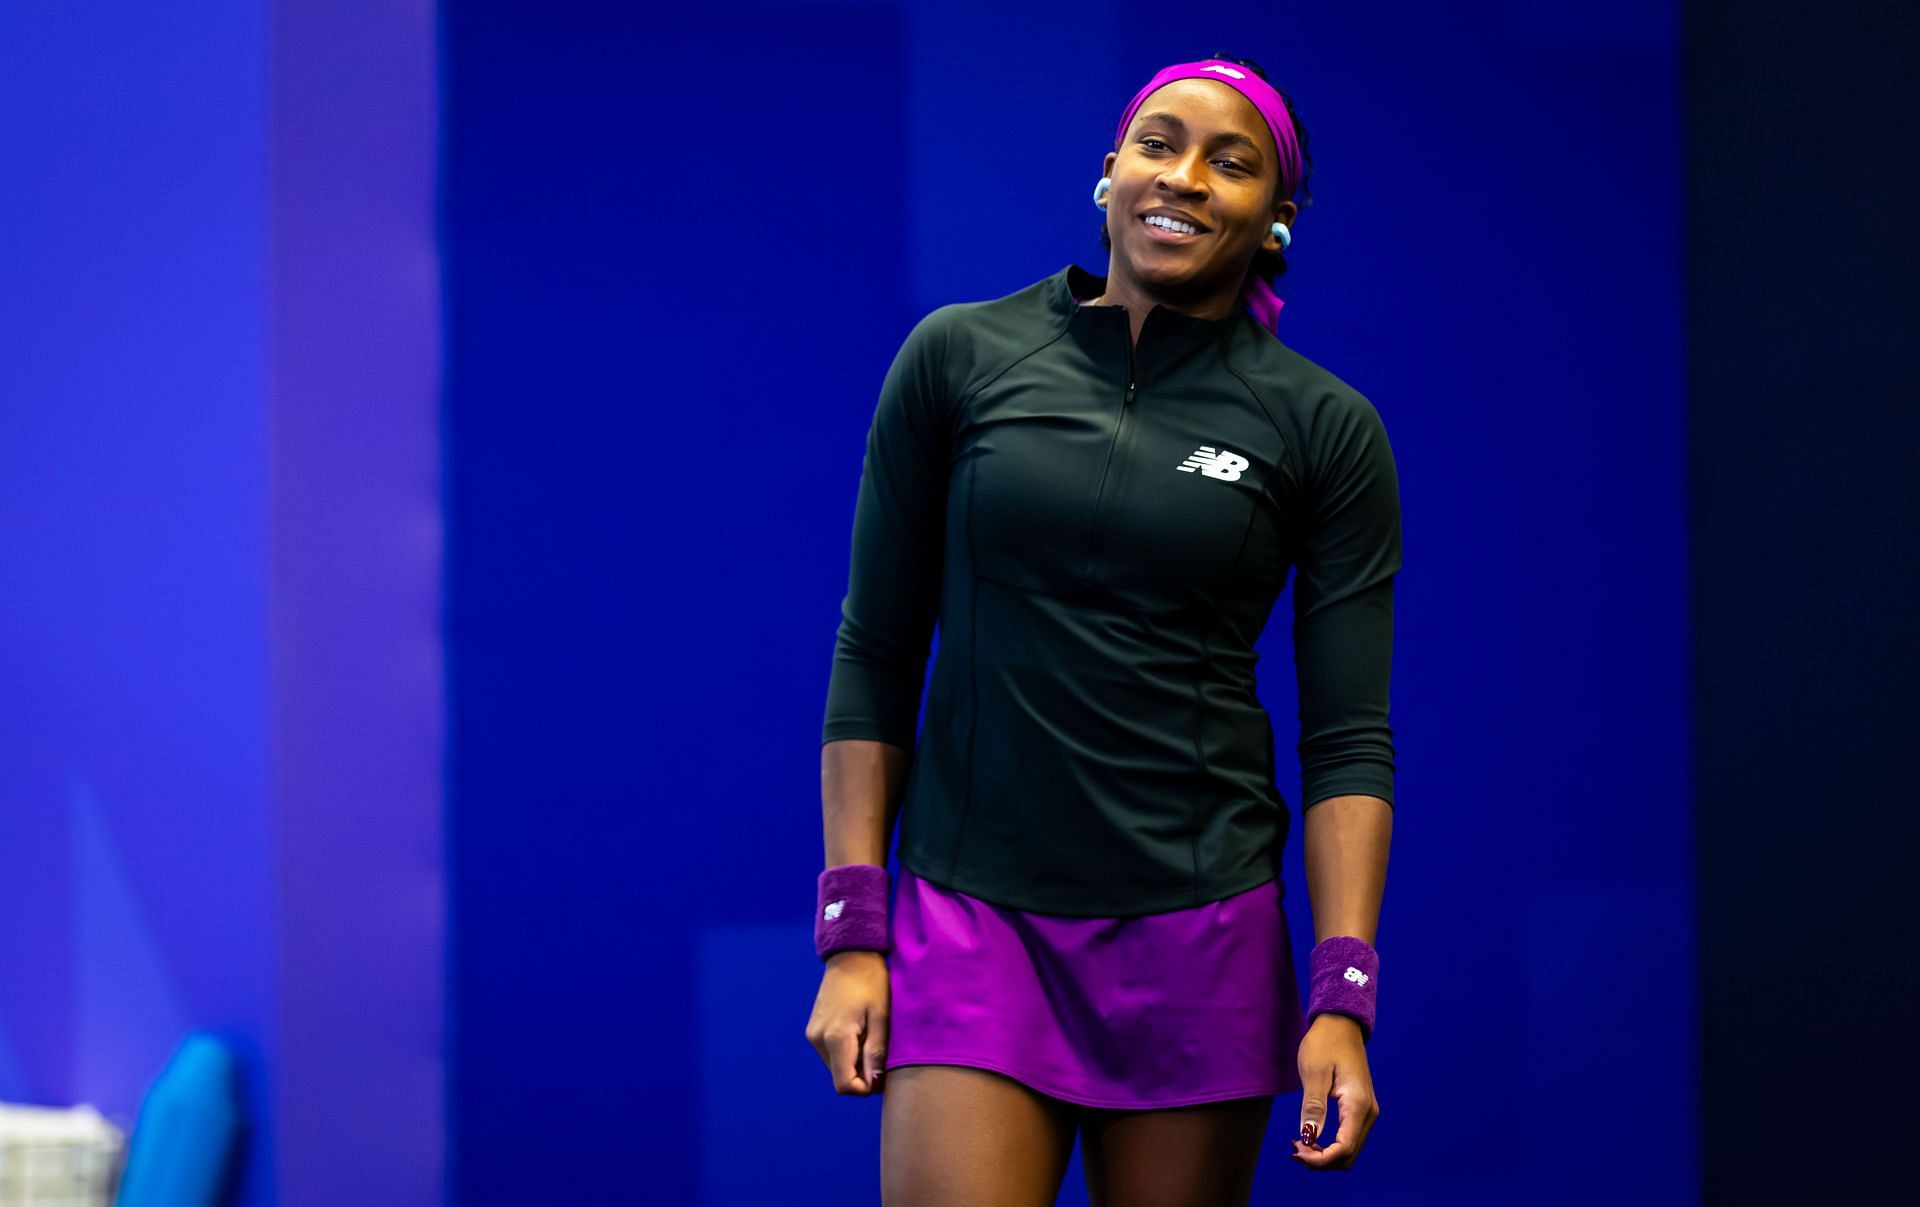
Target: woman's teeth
{"x": 1170, "y": 224}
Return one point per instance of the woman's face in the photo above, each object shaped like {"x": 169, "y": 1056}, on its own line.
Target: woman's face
{"x": 1198, "y": 150}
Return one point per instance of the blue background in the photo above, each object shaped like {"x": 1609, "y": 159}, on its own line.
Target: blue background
{"x": 221, "y": 714}
{"x": 685, "y": 246}
{"x": 428, "y": 444}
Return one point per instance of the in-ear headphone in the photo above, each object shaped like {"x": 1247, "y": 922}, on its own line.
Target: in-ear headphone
{"x": 1280, "y": 230}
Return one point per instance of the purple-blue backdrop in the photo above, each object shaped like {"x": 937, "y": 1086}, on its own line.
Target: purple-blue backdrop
{"x": 684, "y": 244}
{"x": 221, "y": 757}
{"x": 670, "y": 292}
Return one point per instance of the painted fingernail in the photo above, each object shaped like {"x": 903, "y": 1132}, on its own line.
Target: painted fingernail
{"x": 1306, "y": 1132}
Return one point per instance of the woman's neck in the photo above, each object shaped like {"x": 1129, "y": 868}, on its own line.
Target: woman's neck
{"x": 1137, "y": 302}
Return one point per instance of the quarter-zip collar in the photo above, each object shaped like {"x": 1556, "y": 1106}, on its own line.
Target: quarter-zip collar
{"x": 1168, "y": 338}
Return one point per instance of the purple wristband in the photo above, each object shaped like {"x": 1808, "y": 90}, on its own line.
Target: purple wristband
{"x": 1344, "y": 973}
{"x": 852, "y": 912}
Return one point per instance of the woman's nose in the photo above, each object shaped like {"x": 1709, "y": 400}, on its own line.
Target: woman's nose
{"x": 1181, "y": 174}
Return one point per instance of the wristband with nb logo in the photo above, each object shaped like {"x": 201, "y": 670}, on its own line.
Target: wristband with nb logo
{"x": 1343, "y": 974}
{"x": 852, "y": 910}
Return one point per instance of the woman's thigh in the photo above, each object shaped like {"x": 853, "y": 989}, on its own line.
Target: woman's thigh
{"x": 952, "y": 1136}
{"x": 1190, "y": 1156}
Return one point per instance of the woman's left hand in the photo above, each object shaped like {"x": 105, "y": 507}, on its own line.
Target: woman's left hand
{"x": 1333, "y": 1062}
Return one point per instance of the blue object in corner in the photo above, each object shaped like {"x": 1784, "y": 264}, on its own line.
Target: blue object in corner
{"x": 187, "y": 1133}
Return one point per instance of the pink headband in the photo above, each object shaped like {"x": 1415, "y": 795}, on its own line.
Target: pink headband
{"x": 1264, "y": 96}
{"x": 1260, "y": 298}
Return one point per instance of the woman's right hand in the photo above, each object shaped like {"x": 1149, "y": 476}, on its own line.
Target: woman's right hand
{"x": 849, "y": 1023}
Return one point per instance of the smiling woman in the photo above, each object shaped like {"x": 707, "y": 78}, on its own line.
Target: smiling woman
{"x": 1268, "y": 264}
{"x": 1098, "y": 487}
{"x": 1220, "y": 132}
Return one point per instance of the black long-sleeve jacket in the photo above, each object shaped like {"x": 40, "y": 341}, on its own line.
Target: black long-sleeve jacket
{"x": 1101, "y": 530}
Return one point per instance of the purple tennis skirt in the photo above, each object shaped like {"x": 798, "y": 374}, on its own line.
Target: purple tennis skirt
{"x": 1161, "y": 1010}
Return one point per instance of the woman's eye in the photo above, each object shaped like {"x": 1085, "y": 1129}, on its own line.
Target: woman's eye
{"x": 1148, "y": 142}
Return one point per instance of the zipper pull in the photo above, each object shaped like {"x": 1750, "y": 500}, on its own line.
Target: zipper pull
{"x": 1129, "y": 397}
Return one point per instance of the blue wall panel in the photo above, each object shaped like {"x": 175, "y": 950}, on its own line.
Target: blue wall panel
{"x": 683, "y": 251}
{"x": 134, "y": 753}
{"x": 219, "y": 568}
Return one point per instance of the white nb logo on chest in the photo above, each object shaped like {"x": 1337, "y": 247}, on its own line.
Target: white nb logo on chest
{"x": 1215, "y": 463}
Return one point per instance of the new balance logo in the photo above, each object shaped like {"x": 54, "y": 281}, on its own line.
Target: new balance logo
{"x": 1355, "y": 975}
{"x": 834, "y": 907}
{"x": 1214, "y": 463}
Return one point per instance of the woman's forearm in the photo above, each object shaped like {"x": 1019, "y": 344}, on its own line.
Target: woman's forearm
{"x": 861, "y": 785}
{"x": 1346, "y": 856}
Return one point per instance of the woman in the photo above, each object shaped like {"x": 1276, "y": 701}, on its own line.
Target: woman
{"x": 1098, "y": 488}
